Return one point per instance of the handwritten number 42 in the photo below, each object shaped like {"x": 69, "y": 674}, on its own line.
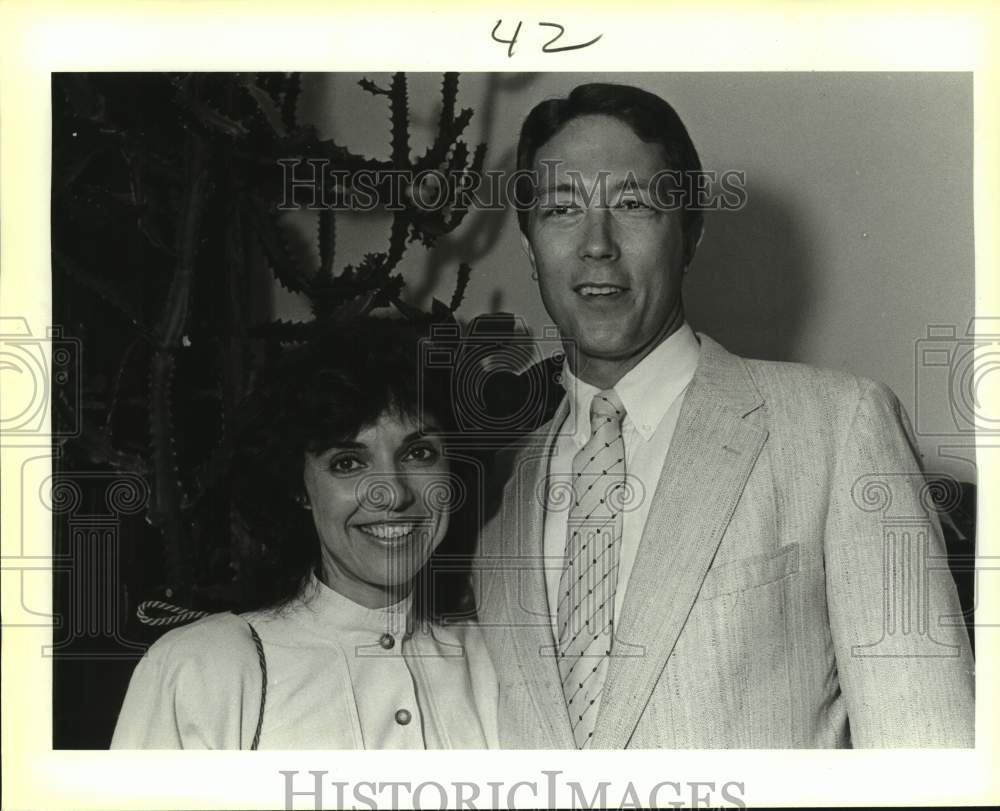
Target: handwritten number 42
{"x": 549, "y": 47}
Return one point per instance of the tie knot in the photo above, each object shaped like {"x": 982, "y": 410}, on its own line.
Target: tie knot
{"x": 605, "y": 408}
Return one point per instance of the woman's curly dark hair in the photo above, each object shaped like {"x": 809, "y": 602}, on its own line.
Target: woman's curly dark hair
{"x": 313, "y": 396}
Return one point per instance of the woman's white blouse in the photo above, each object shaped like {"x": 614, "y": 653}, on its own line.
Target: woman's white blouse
{"x": 339, "y": 676}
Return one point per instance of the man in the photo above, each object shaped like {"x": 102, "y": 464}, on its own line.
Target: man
{"x": 692, "y": 552}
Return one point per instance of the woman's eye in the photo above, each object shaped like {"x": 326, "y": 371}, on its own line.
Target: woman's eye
{"x": 422, "y": 453}
{"x": 345, "y": 464}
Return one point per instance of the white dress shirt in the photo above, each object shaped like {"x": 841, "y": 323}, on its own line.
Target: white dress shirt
{"x": 339, "y": 676}
{"x": 652, "y": 393}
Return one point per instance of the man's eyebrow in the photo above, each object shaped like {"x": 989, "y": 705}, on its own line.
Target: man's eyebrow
{"x": 625, "y": 182}
{"x": 632, "y": 183}
{"x": 558, "y": 187}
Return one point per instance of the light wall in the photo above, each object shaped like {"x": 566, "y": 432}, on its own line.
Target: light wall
{"x": 856, "y": 237}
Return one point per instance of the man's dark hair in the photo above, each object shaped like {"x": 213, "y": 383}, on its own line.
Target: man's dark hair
{"x": 646, "y": 114}
{"x": 307, "y": 400}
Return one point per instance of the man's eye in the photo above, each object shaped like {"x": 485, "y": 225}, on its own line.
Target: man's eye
{"x": 633, "y": 205}
{"x": 345, "y": 464}
{"x": 558, "y": 210}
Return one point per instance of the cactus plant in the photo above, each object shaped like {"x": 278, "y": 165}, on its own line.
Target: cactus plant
{"x": 165, "y": 208}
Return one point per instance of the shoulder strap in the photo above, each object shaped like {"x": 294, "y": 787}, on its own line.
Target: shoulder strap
{"x": 263, "y": 689}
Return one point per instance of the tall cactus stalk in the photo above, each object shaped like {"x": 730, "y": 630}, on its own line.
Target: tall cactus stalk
{"x": 165, "y": 198}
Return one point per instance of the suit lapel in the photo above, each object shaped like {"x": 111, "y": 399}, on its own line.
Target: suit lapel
{"x": 526, "y": 595}
{"x": 711, "y": 454}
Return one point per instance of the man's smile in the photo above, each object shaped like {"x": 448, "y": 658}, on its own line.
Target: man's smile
{"x": 589, "y": 290}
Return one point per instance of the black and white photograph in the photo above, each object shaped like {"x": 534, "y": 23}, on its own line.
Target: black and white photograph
{"x": 522, "y": 413}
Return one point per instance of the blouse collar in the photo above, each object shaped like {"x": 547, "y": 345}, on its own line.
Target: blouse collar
{"x": 332, "y": 613}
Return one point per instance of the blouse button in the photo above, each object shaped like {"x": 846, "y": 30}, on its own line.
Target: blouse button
{"x": 387, "y": 641}
{"x": 403, "y": 717}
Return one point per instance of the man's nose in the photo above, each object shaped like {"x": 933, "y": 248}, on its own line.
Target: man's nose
{"x": 389, "y": 492}
{"x": 598, "y": 238}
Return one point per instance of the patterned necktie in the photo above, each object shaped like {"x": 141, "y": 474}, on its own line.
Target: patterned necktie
{"x": 585, "y": 613}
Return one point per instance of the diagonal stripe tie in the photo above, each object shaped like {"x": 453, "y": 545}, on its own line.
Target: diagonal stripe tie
{"x": 585, "y": 614}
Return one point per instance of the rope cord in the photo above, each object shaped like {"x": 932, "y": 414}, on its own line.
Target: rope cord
{"x": 263, "y": 689}
{"x": 172, "y": 614}
{"x": 175, "y": 615}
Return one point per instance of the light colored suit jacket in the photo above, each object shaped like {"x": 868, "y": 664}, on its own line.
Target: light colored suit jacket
{"x": 791, "y": 587}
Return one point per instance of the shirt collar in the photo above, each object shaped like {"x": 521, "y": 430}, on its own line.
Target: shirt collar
{"x": 335, "y": 612}
{"x": 646, "y": 391}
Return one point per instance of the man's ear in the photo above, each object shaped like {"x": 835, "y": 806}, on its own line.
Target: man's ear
{"x": 691, "y": 242}
{"x": 528, "y": 250}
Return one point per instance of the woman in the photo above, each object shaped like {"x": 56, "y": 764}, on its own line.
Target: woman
{"x": 347, "y": 485}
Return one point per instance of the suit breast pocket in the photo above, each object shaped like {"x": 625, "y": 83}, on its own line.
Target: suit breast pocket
{"x": 751, "y": 572}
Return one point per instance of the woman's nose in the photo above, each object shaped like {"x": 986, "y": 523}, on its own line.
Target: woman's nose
{"x": 389, "y": 492}
{"x": 598, "y": 238}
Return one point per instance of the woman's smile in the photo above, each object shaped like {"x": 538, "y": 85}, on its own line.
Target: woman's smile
{"x": 395, "y": 532}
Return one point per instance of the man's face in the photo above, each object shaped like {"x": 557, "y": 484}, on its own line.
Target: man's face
{"x": 609, "y": 270}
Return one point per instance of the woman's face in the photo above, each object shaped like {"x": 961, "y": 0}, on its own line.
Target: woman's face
{"x": 380, "y": 504}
